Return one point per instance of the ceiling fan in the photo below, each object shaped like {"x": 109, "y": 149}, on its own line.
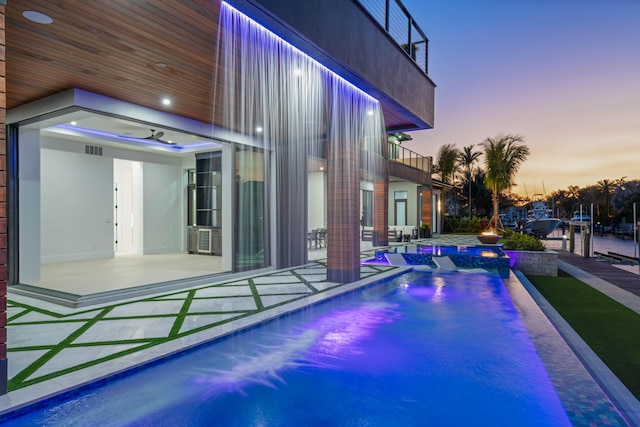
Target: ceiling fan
{"x": 157, "y": 137}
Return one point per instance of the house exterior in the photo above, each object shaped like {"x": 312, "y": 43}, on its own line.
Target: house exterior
{"x": 224, "y": 131}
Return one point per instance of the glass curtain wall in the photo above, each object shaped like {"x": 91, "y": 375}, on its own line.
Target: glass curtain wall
{"x": 251, "y": 225}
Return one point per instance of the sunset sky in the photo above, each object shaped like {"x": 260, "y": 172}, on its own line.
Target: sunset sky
{"x": 564, "y": 74}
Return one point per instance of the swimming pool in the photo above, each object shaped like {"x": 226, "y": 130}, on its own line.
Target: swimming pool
{"x": 419, "y": 349}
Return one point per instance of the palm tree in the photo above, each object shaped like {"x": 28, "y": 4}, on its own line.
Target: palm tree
{"x": 605, "y": 189}
{"x": 562, "y": 201}
{"x": 447, "y": 163}
{"x": 503, "y": 156}
{"x": 466, "y": 159}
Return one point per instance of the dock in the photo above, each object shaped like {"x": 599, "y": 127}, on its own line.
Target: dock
{"x": 604, "y": 270}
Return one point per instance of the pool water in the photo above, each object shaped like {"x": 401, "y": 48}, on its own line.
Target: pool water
{"x": 441, "y": 349}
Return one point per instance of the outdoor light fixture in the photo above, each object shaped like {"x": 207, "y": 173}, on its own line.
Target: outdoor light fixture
{"x": 166, "y": 101}
{"x": 259, "y": 129}
{"x": 398, "y": 137}
{"x": 37, "y": 17}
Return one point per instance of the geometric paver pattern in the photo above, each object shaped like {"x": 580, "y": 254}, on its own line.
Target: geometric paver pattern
{"x": 46, "y": 343}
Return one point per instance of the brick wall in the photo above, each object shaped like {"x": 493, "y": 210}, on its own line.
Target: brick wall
{"x": 381, "y": 213}
{"x": 343, "y": 212}
{"x": 3, "y": 210}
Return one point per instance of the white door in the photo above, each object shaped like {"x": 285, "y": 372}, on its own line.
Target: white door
{"x": 128, "y": 206}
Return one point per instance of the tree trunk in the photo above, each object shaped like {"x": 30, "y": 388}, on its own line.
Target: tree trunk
{"x": 495, "y": 219}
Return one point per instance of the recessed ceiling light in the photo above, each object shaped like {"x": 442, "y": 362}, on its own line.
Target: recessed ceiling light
{"x": 37, "y": 17}
{"x": 161, "y": 65}
{"x": 166, "y": 101}
{"x": 74, "y": 123}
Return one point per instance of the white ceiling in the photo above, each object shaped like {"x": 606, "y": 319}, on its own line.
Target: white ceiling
{"x": 109, "y": 131}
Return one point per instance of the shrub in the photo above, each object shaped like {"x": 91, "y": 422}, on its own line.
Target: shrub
{"x": 507, "y": 233}
{"x": 523, "y": 242}
{"x": 464, "y": 225}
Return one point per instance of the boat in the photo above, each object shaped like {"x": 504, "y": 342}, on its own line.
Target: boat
{"x": 540, "y": 221}
{"x": 580, "y": 216}
{"x": 580, "y": 220}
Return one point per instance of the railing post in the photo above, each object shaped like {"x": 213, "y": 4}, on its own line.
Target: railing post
{"x": 412, "y": 54}
{"x": 386, "y": 15}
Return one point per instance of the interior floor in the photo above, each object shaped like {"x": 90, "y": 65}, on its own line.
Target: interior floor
{"x": 124, "y": 271}
{"x": 96, "y": 276}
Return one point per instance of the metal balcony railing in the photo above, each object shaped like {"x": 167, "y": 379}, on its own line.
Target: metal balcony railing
{"x": 394, "y": 18}
{"x": 403, "y": 155}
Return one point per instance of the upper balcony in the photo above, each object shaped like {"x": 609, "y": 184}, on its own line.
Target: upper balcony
{"x": 375, "y": 44}
{"x": 402, "y": 28}
{"x": 407, "y": 164}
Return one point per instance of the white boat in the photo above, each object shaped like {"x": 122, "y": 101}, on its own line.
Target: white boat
{"x": 579, "y": 220}
{"x": 578, "y": 216}
{"x": 540, "y": 221}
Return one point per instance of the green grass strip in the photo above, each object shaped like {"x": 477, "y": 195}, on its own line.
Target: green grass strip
{"x": 16, "y": 381}
{"x": 256, "y": 295}
{"x": 305, "y": 282}
{"x": 608, "y": 327}
{"x": 184, "y": 311}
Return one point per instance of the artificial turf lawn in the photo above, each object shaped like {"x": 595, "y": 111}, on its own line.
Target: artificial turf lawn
{"x": 608, "y": 327}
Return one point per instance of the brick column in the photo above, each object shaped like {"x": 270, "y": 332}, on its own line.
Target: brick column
{"x": 380, "y": 235}
{"x": 343, "y": 211}
{"x": 3, "y": 208}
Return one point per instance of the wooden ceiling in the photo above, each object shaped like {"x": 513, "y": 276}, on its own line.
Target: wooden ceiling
{"x": 135, "y": 51}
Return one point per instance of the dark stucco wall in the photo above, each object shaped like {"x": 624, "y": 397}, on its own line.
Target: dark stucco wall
{"x": 339, "y": 34}
{"x": 407, "y": 173}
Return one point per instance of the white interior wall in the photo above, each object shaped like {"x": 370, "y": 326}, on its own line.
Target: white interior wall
{"x": 76, "y": 206}
{"x": 316, "y": 201}
{"x": 162, "y": 200}
{"x": 29, "y": 202}
{"x": 160, "y": 186}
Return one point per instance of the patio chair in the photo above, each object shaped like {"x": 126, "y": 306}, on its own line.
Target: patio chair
{"x": 322, "y": 237}
{"x": 312, "y": 238}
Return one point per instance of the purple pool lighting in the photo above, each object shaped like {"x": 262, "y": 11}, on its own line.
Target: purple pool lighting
{"x": 456, "y": 250}
{"x": 419, "y": 349}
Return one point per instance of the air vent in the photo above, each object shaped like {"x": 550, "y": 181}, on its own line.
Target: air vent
{"x": 93, "y": 150}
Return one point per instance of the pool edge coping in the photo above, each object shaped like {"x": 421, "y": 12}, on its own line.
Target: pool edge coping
{"x": 616, "y": 392}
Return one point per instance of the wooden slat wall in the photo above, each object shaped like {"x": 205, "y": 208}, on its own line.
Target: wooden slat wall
{"x": 112, "y": 48}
